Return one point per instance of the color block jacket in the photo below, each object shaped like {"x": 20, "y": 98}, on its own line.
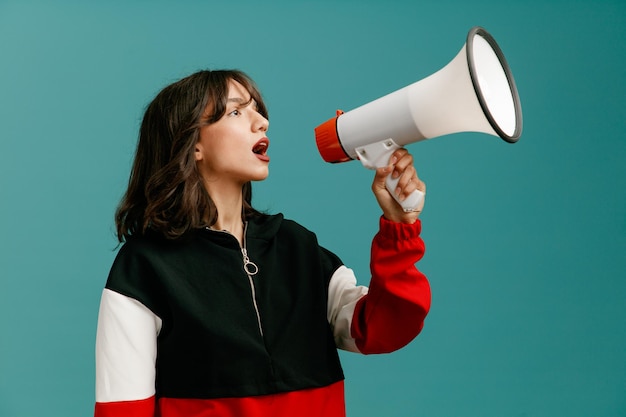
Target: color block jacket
{"x": 185, "y": 329}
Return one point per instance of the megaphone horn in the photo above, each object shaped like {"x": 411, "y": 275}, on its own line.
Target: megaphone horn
{"x": 475, "y": 92}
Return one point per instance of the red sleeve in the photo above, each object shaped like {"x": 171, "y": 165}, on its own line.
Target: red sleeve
{"x": 393, "y": 312}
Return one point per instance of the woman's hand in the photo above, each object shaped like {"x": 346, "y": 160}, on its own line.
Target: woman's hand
{"x": 400, "y": 166}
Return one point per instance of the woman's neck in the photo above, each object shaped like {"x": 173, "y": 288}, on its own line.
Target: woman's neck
{"x": 233, "y": 226}
{"x": 229, "y": 211}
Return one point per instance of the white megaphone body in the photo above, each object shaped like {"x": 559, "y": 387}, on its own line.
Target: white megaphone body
{"x": 475, "y": 92}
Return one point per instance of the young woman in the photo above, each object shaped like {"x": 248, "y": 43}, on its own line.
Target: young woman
{"x": 212, "y": 308}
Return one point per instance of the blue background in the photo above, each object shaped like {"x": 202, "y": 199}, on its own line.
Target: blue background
{"x": 526, "y": 243}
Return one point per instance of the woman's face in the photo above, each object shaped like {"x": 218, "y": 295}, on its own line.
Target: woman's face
{"x": 233, "y": 150}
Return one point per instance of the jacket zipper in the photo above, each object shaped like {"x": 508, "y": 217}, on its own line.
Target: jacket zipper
{"x": 250, "y": 269}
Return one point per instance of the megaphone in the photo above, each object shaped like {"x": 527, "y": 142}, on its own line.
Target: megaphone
{"x": 475, "y": 92}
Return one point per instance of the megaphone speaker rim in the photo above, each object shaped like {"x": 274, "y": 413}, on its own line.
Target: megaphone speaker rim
{"x": 477, "y": 30}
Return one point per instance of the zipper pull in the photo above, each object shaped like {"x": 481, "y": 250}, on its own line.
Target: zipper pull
{"x": 248, "y": 266}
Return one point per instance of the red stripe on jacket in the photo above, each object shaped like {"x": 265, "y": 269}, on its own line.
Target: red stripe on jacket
{"x": 138, "y": 408}
{"x": 315, "y": 402}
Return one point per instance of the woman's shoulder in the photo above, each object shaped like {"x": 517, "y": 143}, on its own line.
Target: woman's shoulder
{"x": 152, "y": 245}
{"x": 268, "y": 226}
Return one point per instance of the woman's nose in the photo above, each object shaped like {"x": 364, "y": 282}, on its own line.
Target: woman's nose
{"x": 261, "y": 123}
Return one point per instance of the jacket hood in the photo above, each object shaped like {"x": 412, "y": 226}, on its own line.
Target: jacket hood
{"x": 264, "y": 226}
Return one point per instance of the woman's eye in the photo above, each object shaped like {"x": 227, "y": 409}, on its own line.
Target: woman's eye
{"x": 236, "y": 112}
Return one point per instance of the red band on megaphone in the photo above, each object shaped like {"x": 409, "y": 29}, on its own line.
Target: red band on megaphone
{"x": 328, "y": 143}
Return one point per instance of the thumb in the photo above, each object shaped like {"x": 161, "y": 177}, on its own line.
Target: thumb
{"x": 380, "y": 177}
{"x": 379, "y": 183}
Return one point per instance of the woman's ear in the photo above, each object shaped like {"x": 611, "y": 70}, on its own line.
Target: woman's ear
{"x": 198, "y": 152}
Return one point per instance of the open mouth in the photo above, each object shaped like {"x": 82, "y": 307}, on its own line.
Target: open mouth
{"x": 261, "y": 147}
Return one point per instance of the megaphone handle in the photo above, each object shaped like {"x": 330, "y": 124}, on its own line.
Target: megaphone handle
{"x": 412, "y": 202}
{"x": 376, "y": 155}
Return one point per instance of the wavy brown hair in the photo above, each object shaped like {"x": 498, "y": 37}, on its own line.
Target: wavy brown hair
{"x": 165, "y": 190}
